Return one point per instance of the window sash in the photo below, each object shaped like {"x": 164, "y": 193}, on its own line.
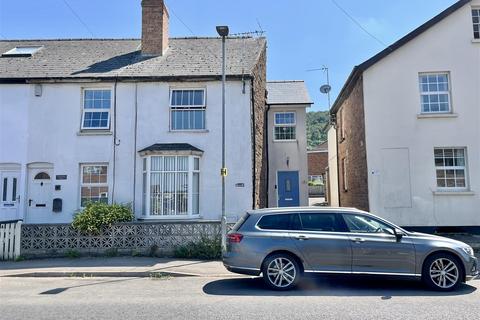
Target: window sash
{"x": 187, "y": 98}
{"x": 187, "y": 119}
{"x": 98, "y": 187}
{"x": 476, "y": 22}
{"x": 96, "y": 103}
{"x": 170, "y": 189}
{"x": 451, "y": 177}
{"x": 285, "y": 133}
{"x": 284, "y": 124}
{"x": 431, "y": 98}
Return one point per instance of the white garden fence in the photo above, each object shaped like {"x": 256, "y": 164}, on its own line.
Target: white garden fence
{"x": 10, "y": 233}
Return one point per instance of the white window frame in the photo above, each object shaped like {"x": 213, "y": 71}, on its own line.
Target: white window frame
{"x": 173, "y": 108}
{"x": 430, "y": 93}
{"x": 275, "y": 125}
{"x": 315, "y": 177}
{"x": 147, "y": 173}
{"x": 464, "y": 168}
{"x": 93, "y": 110}
{"x": 476, "y": 38}
{"x": 99, "y": 185}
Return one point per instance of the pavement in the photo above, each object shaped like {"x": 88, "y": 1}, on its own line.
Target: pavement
{"x": 231, "y": 298}
{"x": 113, "y": 267}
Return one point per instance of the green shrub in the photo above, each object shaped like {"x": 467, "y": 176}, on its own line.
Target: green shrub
{"x": 112, "y": 252}
{"x": 205, "y": 249}
{"x": 72, "y": 254}
{"x": 97, "y": 215}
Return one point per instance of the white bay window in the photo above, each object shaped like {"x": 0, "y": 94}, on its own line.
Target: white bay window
{"x": 171, "y": 185}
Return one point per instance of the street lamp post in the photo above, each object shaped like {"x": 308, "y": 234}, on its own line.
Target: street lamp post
{"x": 223, "y": 32}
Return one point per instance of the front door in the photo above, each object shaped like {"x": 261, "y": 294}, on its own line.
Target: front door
{"x": 9, "y": 196}
{"x": 375, "y": 248}
{"x": 39, "y": 200}
{"x": 287, "y": 186}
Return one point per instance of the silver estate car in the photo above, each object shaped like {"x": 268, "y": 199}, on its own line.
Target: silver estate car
{"x": 283, "y": 244}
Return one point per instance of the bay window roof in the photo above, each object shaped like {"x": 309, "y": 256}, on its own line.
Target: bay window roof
{"x": 171, "y": 148}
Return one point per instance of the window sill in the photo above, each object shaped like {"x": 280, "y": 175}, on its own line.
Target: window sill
{"x": 285, "y": 141}
{"x": 475, "y": 40}
{"x": 94, "y": 133}
{"x": 436, "y": 115}
{"x": 189, "y": 131}
{"x": 171, "y": 218}
{"x": 454, "y": 193}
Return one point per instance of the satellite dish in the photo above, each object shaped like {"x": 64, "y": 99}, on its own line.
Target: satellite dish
{"x": 325, "y": 88}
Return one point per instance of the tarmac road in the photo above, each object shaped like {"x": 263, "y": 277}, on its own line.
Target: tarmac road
{"x": 231, "y": 298}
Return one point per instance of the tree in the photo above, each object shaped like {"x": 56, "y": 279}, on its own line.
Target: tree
{"x": 316, "y": 128}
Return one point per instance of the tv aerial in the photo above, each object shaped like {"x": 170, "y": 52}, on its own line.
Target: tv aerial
{"x": 326, "y": 88}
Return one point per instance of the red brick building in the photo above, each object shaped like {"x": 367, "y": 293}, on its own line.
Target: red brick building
{"x": 317, "y": 165}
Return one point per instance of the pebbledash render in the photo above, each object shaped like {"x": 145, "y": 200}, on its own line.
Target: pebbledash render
{"x": 404, "y": 142}
{"x": 133, "y": 121}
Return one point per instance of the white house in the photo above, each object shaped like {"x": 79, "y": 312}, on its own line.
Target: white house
{"x": 406, "y": 136}
{"x": 287, "y": 143}
{"x": 131, "y": 121}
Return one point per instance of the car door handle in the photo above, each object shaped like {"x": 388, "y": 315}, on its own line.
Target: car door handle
{"x": 302, "y": 238}
{"x": 358, "y": 240}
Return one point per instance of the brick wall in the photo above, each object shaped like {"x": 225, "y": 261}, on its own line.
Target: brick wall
{"x": 154, "y": 27}
{"x": 352, "y": 156}
{"x": 317, "y": 163}
{"x": 259, "y": 130}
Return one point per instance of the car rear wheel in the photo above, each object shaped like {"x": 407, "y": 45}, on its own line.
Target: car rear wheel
{"x": 281, "y": 271}
{"x": 442, "y": 272}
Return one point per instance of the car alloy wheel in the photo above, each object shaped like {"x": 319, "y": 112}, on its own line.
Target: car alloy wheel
{"x": 444, "y": 273}
{"x": 281, "y": 272}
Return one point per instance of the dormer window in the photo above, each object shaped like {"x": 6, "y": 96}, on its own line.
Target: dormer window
{"x": 23, "y": 51}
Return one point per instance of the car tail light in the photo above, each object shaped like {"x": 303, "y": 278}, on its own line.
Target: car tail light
{"x": 234, "y": 237}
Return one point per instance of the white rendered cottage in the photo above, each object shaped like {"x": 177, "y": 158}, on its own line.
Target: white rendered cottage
{"x": 131, "y": 121}
{"x": 405, "y": 144}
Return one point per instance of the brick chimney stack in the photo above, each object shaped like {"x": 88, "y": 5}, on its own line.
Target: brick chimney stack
{"x": 154, "y": 27}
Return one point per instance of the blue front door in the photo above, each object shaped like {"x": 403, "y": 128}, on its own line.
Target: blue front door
{"x": 287, "y": 184}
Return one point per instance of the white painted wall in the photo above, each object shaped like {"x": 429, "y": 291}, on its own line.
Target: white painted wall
{"x": 332, "y": 167}
{"x": 47, "y": 129}
{"x": 295, "y": 151}
{"x": 400, "y": 145}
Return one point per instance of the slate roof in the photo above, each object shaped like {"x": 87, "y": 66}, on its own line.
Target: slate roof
{"x": 110, "y": 58}
{"x": 358, "y": 70}
{"x": 287, "y": 92}
{"x": 171, "y": 147}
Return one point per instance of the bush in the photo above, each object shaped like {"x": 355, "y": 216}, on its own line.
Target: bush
{"x": 72, "y": 254}
{"x": 205, "y": 249}
{"x": 97, "y": 215}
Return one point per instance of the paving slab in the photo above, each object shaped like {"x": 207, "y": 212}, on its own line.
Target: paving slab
{"x": 113, "y": 267}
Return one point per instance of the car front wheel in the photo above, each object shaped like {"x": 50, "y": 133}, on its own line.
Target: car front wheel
{"x": 281, "y": 272}
{"x": 442, "y": 272}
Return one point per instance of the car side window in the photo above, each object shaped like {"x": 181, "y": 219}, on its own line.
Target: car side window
{"x": 320, "y": 222}
{"x": 365, "y": 224}
{"x": 279, "y": 222}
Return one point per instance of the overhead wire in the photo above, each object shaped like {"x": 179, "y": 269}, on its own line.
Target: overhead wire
{"x": 358, "y": 24}
{"x": 78, "y": 18}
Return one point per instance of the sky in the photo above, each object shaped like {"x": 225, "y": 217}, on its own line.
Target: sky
{"x": 301, "y": 34}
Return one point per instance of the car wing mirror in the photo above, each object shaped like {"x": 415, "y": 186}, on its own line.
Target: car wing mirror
{"x": 398, "y": 234}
